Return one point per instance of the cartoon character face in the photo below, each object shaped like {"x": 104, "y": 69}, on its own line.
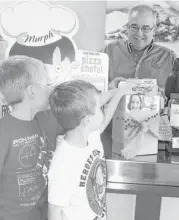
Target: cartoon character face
{"x": 58, "y": 57}
{"x": 46, "y": 38}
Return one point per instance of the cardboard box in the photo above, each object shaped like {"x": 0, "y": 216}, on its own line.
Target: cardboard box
{"x": 136, "y": 120}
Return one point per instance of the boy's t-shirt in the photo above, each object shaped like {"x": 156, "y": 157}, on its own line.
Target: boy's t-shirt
{"x": 26, "y": 149}
{"x": 77, "y": 180}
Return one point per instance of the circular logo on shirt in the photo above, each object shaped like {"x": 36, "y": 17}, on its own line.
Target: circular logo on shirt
{"x": 157, "y": 68}
{"x": 96, "y": 186}
{"x": 27, "y": 155}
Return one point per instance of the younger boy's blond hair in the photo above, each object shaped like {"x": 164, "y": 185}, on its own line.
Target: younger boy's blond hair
{"x": 16, "y": 74}
{"x": 71, "y": 101}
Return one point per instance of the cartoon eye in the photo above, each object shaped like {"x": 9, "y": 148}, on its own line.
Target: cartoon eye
{"x": 58, "y": 68}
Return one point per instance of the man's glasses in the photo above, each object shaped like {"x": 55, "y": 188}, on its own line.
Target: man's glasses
{"x": 145, "y": 29}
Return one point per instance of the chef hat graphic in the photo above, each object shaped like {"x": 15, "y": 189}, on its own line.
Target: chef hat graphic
{"x": 43, "y": 31}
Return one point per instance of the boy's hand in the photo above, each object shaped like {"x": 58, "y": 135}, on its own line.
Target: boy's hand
{"x": 114, "y": 83}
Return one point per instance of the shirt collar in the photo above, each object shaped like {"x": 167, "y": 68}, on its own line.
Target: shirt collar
{"x": 148, "y": 48}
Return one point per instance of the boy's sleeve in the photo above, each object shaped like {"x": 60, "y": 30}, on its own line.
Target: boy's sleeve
{"x": 95, "y": 140}
{"x": 4, "y": 145}
{"x": 62, "y": 181}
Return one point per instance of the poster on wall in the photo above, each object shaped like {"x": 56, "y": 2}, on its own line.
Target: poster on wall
{"x": 167, "y": 31}
{"x": 45, "y": 36}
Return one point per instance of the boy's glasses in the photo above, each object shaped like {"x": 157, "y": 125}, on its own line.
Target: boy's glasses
{"x": 145, "y": 29}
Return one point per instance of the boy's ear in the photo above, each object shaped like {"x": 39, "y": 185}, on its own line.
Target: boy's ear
{"x": 30, "y": 92}
{"x": 86, "y": 120}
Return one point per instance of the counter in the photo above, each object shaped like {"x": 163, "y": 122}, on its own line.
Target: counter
{"x": 146, "y": 187}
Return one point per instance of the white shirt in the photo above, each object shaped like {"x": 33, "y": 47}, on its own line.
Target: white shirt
{"x": 77, "y": 180}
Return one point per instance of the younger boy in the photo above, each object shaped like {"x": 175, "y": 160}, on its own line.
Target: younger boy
{"x": 77, "y": 175}
{"x": 27, "y": 140}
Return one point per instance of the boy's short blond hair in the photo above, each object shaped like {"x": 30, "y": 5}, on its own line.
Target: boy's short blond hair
{"x": 71, "y": 101}
{"x": 18, "y": 72}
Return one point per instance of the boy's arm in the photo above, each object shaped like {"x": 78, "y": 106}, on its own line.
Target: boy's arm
{"x": 55, "y": 212}
{"x": 107, "y": 96}
{"x": 110, "y": 109}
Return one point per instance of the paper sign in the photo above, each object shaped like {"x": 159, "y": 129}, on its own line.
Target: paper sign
{"x": 92, "y": 67}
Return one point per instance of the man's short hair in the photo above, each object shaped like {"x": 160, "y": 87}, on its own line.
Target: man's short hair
{"x": 18, "y": 72}
{"x": 142, "y": 8}
{"x": 72, "y": 101}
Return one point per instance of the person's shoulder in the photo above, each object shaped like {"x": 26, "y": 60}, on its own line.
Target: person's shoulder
{"x": 63, "y": 154}
{"x": 61, "y": 148}
{"x": 113, "y": 43}
{"x": 95, "y": 137}
{"x": 95, "y": 141}
{"x": 95, "y": 133}
{"x": 163, "y": 49}
{"x": 116, "y": 43}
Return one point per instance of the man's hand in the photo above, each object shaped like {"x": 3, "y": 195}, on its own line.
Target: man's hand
{"x": 114, "y": 83}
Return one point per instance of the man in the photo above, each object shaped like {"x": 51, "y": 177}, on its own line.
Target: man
{"x": 139, "y": 57}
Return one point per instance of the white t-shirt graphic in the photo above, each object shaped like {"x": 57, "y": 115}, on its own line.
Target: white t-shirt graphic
{"x": 77, "y": 180}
